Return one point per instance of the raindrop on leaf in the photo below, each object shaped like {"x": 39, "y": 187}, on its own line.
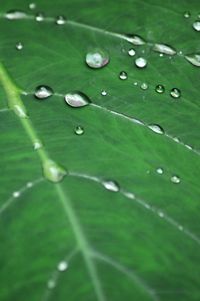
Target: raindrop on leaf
{"x": 123, "y": 75}
{"x": 135, "y": 39}
{"x": 144, "y": 86}
{"x": 111, "y": 185}
{"x": 60, "y": 20}
{"x": 196, "y": 25}
{"x": 16, "y": 194}
{"x": 97, "y": 59}
{"x": 53, "y": 172}
{"x": 103, "y": 93}
{"x": 19, "y": 46}
{"x": 62, "y": 266}
{"x": 165, "y": 49}
{"x": 141, "y": 62}
{"x": 15, "y": 15}
{"x": 175, "y": 179}
{"x": 194, "y": 59}
{"x": 131, "y": 52}
{"x": 160, "y": 89}
{"x": 187, "y": 14}
{"x": 43, "y": 92}
{"x": 79, "y": 130}
{"x": 156, "y": 128}
{"x": 32, "y": 6}
{"x": 159, "y": 170}
{"x": 39, "y": 17}
{"x": 77, "y": 99}
{"x": 175, "y": 93}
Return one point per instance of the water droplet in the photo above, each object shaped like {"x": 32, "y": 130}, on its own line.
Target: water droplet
{"x": 60, "y": 20}
{"x": 103, "y": 93}
{"x": 180, "y": 228}
{"x": 29, "y": 185}
{"x": 159, "y": 170}
{"x": 175, "y": 93}
{"x": 141, "y": 62}
{"x": 161, "y": 214}
{"x": 131, "y": 52}
{"x": 135, "y": 83}
{"x": 79, "y": 130}
{"x": 194, "y": 59}
{"x": 160, "y": 89}
{"x": 123, "y": 75}
{"x": 144, "y": 86}
{"x": 39, "y": 17}
{"x": 77, "y": 99}
{"x": 175, "y": 179}
{"x": 32, "y": 6}
{"x": 187, "y": 14}
{"x": 97, "y": 59}
{"x": 53, "y": 172}
{"x": 165, "y": 49}
{"x": 111, "y": 185}
{"x": 37, "y": 145}
{"x": 196, "y": 25}
{"x": 19, "y": 46}
{"x": 51, "y": 284}
{"x": 135, "y": 39}
{"x": 156, "y": 128}
{"x": 43, "y": 92}
{"x": 62, "y": 266}
{"x": 15, "y": 15}
{"x": 16, "y": 194}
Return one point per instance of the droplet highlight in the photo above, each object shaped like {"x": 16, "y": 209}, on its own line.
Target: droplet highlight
{"x": 62, "y": 266}
{"x": 39, "y": 17}
{"x": 111, "y": 185}
{"x": 53, "y": 172}
{"x": 141, "y": 62}
{"x": 131, "y": 52}
{"x": 103, "y": 93}
{"x": 160, "y": 170}
{"x": 165, "y": 49}
{"x": 77, "y": 99}
{"x": 15, "y": 15}
{"x": 60, "y": 20}
{"x": 156, "y": 128}
{"x": 196, "y": 25}
{"x": 19, "y": 46}
{"x": 97, "y": 59}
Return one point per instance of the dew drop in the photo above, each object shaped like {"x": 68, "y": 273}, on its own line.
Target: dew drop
{"x": 97, "y": 59}
{"x": 135, "y": 39}
{"x": 16, "y": 194}
{"x": 194, "y": 59}
{"x": 103, "y": 93}
{"x": 175, "y": 93}
{"x": 77, "y": 99}
{"x": 60, "y": 20}
{"x": 175, "y": 179}
{"x": 39, "y": 17}
{"x": 160, "y": 89}
{"x": 123, "y": 75}
{"x": 37, "y": 145}
{"x": 196, "y": 25}
{"x": 29, "y": 185}
{"x": 131, "y": 52}
{"x": 53, "y": 172}
{"x": 187, "y": 14}
{"x": 141, "y": 62}
{"x": 144, "y": 86}
{"x": 156, "y": 128}
{"x": 32, "y": 6}
{"x": 15, "y": 15}
{"x": 111, "y": 185}
{"x": 159, "y": 170}
{"x": 79, "y": 130}
{"x": 62, "y": 266}
{"x": 43, "y": 92}
{"x": 165, "y": 49}
{"x": 51, "y": 284}
{"x": 19, "y": 46}
{"x": 161, "y": 214}
{"x": 135, "y": 83}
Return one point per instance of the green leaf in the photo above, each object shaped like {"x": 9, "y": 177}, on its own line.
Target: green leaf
{"x": 99, "y": 175}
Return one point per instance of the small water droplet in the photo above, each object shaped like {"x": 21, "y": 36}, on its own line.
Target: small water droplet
{"x": 160, "y": 89}
{"x": 135, "y": 83}
{"x": 77, "y": 99}
{"x": 123, "y": 75}
{"x": 97, "y": 59}
{"x": 131, "y": 52}
{"x": 103, "y": 93}
{"x": 159, "y": 170}
{"x": 194, "y": 59}
{"x": 141, "y": 62}
{"x": 175, "y": 179}
{"x": 37, "y": 145}
{"x": 144, "y": 86}
{"x": 161, "y": 214}
{"x": 60, "y": 20}
{"x": 39, "y": 17}
{"x": 165, "y": 49}
{"x": 79, "y": 130}
{"x": 135, "y": 39}
{"x": 15, "y": 15}
{"x": 111, "y": 185}
{"x": 187, "y": 14}
{"x": 156, "y": 128}
{"x": 16, "y": 194}
{"x": 175, "y": 93}
{"x": 62, "y": 266}
{"x": 32, "y": 6}
{"x": 196, "y": 25}
{"x": 51, "y": 284}
{"x": 29, "y": 185}
{"x": 53, "y": 172}
{"x": 19, "y": 46}
{"x": 43, "y": 92}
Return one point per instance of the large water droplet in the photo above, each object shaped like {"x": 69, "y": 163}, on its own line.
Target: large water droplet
{"x": 160, "y": 89}
{"x": 156, "y": 128}
{"x": 123, "y": 75}
{"x": 141, "y": 62}
{"x": 79, "y": 130}
{"x": 62, "y": 266}
{"x": 60, "y": 20}
{"x": 175, "y": 179}
{"x": 131, "y": 52}
{"x": 53, "y": 172}
{"x": 15, "y": 15}
{"x": 135, "y": 39}
{"x": 165, "y": 49}
{"x": 97, "y": 59}
{"x": 196, "y": 25}
{"x": 77, "y": 99}
{"x": 43, "y": 92}
{"x": 19, "y": 46}
{"x": 39, "y": 17}
{"x": 175, "y": 93}
{"x": 194, "y": 59}
{"x": 111, "y": 185}
{"x": 187, "y": 14}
